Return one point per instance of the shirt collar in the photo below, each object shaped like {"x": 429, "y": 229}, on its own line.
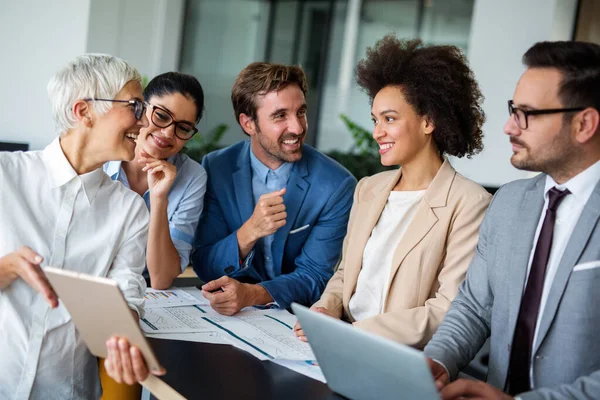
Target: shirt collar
{"x": 60, "y": 171}
{"x": 581, "y": 185}
{"x": 261, "y": 170}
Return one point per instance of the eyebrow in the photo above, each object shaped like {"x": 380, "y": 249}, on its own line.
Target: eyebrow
{"x": 173, "y": 114}
{"x": 384, "y": 112}
{"x": 280, "y": 110}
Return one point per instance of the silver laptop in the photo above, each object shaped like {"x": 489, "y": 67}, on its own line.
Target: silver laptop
{"x": 360, "y": 365}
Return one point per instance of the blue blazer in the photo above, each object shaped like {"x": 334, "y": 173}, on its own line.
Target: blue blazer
{"x": 318, "y": 201}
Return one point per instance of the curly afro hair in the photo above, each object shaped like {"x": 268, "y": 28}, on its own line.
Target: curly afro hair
{"x": 437, "y": 83}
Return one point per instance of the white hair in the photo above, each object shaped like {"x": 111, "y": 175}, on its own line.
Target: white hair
{"x": 99, "y": 76}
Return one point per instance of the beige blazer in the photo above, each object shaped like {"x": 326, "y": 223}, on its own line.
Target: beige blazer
{"x": 429, "y": 263}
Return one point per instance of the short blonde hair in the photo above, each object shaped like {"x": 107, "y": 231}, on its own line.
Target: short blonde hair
{"x": 87, "y": 76}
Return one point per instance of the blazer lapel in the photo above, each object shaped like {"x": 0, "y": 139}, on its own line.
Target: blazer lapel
{"x": 371, "y": 207}
{"x": 242, "y": 185}
{"x": 424, "y": 219}
{"x": 297, "y": 188}
{"x": 579, "y": 239}
{"x": 523, "y": 234}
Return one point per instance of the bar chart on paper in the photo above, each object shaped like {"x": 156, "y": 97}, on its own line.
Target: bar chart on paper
{"x": 168, "y": 298}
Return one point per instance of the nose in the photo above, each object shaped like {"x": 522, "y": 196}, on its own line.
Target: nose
{"x": 511, "y": 127}
{"x": 169, "y": 131}
{"x": 143, "y": 122}
{"x": 297, "y": 125}
{"x": 377, "y": 132}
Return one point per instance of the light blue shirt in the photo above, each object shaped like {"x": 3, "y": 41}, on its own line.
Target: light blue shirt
{"x": 186, "y": 200}
{"x": 265, "y": 180}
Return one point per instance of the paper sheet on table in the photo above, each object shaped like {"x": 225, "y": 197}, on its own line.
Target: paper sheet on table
{"x": 308, "y": 368}
{"x": 168, "y": 298}
{"x": 266, "y": 334}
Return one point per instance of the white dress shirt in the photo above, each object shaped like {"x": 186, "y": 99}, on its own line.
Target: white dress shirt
{"x": 370, "y": 295}
{"x": 86, "y": 223}
{"x": 581, "y": 187}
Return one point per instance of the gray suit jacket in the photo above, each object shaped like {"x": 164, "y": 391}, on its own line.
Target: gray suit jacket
{"x": 566, "y": 359}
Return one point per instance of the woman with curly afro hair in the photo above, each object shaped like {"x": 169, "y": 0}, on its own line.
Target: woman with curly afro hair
{"x": 412, "y": 231}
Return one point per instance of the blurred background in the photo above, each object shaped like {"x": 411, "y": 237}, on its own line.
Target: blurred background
{"x": 215, "y": 39}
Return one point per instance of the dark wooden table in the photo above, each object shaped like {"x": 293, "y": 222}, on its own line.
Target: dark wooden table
{"x": 218, "y": 371}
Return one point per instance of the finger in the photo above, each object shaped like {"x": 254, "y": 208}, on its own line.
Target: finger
{"x": 126, "y": 364}
{"x": 152, "y": 166}
{"x": 269, "y": 200}
{"x": 279, "y": 216}
{"x": 303, "y": 338}
{"x": 216, "y": 284}
{"x": 113, "y": 364}
{"x": 460, "y": 388}
{"x": 35, "y": 277}
{"x": 275, "y": 209}
{"x": 277, "y": 193}
{"x": 228, "y": 311}
{"x": 221, "y": 298}
{"x": 159, "y": 168}
{"x": 30, "y": 255}
{"x": 140, "y": 369}
{"x": 297, "y": 327}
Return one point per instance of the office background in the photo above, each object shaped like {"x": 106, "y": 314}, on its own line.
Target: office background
{"x": 215, "y": 39}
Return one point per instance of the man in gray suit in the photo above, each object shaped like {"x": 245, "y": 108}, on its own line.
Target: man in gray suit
{"x": 533, "y": 286}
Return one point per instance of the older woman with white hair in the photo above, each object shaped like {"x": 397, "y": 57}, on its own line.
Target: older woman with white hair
{"x": 59, "y": 208}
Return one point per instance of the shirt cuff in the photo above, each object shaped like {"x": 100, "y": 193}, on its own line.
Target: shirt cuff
{"x": 245, "y": 263}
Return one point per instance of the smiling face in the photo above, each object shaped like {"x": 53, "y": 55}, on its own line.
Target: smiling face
{"x": 161, "y": 143}
{"x": 279, "y": 132}
{"x": 400, "y": 132}
{"x": 546, "y": 145}
{"x": 118, "y": 128}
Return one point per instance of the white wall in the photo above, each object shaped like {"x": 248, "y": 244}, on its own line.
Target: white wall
{"x": 147, "y": 33}
{"x": 501, "y": 32}
{"x": 37, "y": 37}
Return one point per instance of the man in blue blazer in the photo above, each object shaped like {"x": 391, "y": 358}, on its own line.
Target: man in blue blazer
{"x": 275, "y": 210}
{"x": 533, "y": 284}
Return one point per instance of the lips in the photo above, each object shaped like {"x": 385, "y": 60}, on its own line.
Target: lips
{"x": 160, "y": 143}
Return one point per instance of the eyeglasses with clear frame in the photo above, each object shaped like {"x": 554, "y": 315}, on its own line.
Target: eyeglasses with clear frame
{"x": 521, "y": 115}
{"x": 163, "y": 118}
{"x": 139, "y": 107}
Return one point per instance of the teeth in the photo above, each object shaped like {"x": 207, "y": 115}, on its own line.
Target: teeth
{"x": 292, "y": 141}
{"x": 132, "y": 135}
{"x": 385, "y": 146}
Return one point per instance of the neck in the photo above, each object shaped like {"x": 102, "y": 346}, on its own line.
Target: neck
{"x": 79, "y": 154}
{"x": 264, "y": 157}
{"x": 134, "y": 169}
{"x": 418, "y": 173}
{"x": 567, "y": 171}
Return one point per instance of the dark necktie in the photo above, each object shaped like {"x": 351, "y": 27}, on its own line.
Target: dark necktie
{"x": 520, "y": 357}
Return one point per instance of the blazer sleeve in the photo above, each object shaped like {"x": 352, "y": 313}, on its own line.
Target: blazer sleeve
{"x": 321, "y": 251}
{"x": 467, "y": 324}
{"x": 585, "y": 387}
{"x": 332, "y": 297}
{"x": 216, "y": 251}
{"x": 415, "y": 326}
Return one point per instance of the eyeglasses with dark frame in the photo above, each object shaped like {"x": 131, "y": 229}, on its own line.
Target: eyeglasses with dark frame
{"x": 522, "y": 115}
{"x": 139, "y": 107}
{"x": 163, "y": 118}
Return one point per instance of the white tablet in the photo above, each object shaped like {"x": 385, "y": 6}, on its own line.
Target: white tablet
{"x": 100, "y": 312}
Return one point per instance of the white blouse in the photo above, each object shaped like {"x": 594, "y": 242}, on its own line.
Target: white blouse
{"x": 371, "y": 288}
{"x": 86, "y": 223}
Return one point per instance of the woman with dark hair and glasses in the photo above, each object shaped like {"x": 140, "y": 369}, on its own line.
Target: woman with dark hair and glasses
{"x": 171, "y": 183}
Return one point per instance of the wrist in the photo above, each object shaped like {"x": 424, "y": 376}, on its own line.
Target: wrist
{"x": 159, "y": 201}
{"x": 246, "y": 237}
{"x": 258, "y": 294}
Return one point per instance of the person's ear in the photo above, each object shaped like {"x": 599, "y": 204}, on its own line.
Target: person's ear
{"x": 247, "y": 123}
{"x": 427, "y": 125}
{"x": 83, "y": 112}
{"x": 585, "y": 124}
